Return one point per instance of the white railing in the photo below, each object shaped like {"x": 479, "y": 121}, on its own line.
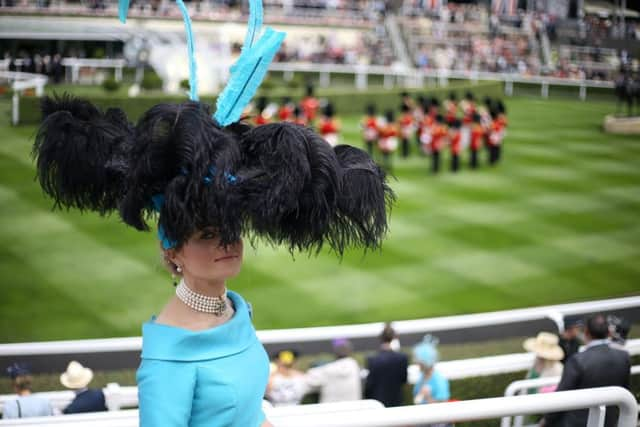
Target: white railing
{"x": 118, "y": 397}
{"x": 520, "y": 386}
{"x": 595, "y": 399}
{"x": 75, "y": 64}
{"x": 479, "y": 409}
{"x": 365, "y": 330}
{"x": 19, "y": 82}
{"x": 416, "y": 78}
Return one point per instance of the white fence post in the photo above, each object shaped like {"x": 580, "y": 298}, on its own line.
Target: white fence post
{"x": 596, "y": 416}
{"x": 508, "y": 87}
{"x": 388, "y": 81}
{"x": 544, "y": 89}
{"x": 325, "y": 79}
{"x": 15, "y": 108}
{"x": 583, "y": 92}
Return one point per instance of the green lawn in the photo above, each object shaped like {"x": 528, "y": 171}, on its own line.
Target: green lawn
{"x": 556, "y": 222}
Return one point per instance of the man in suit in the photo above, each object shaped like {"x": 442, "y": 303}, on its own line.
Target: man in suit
{"x": 598, "y": 365}
{"x": 387, "y": 372}
{"x": 77, "y": 377}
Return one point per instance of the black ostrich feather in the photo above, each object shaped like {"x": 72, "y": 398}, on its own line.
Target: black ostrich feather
{"x": 75, "y": 149}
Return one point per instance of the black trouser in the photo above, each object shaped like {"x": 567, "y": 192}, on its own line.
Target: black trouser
{"x": 405, "y": 147}
{"x": 455, "y": 162}
{"x": 435, "y": 161}
{"x": 493, "y": 154}
{"x": 386, "y": 161}
{"x": 474, "y": 159}
{"x": 369, "y": 145}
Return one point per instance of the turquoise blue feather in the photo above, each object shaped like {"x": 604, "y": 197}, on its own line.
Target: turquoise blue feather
{"x": 246, "y": 76}
{"x": 254, "y": 23}
{"x": 193, "y": 71}
{"x": 123, "y": 9}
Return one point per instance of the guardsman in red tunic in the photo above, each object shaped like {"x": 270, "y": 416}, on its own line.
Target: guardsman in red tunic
{"x": 329, "y": 127}
{"x": 406, "y": 129}
{"x": 455, "y": 144}
{"x": 477, "y": 137}
{"x": 388, "y": 142}
{"x": 468, "y": 106}
{"x": 496, "y": 133}
{"x": 370, "y": 128}
{"x": 502, "y": 122}
{"x": 299, "y": 117}
{"x": 485, "y": 119}
{"x": 451, "y": 108}
{"x": 438, "y": 136}
{"x": 285, "y": 112}
{"x": 261, "y": 117}
{"x": 419, "y": 112}
{"x": 310, "y": 105}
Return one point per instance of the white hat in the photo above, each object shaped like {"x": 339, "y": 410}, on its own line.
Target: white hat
{"x": 76, "y": 376}
{"x": 545, "y": 345}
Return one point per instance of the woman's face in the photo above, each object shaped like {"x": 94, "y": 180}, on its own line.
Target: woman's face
{"x": 202, "y": 257}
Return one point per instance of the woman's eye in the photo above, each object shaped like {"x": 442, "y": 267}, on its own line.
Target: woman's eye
{"x": 208, "y": 235}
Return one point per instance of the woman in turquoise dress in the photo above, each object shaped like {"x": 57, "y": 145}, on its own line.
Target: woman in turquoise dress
{"x": 206, "y": 181}
{"x": 202, "y": 368}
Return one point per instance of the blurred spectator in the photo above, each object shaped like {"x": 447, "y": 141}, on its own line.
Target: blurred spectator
{"x": 619, "y": 328}
{"x": 77, "y": 378}
{"x": 338, "y": 380}
{"x": 432, "y": 386}
{"x": 387, "y": 371}
{"x": 548, "y": 355}
{"x": 598, "y": 365}
{"x": 569, "y": 339}
{"x": 286, "y": 384}
{"x": 26, "y": 405}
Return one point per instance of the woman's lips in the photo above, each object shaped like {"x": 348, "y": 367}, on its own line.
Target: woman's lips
{"x": 226, "y": 257}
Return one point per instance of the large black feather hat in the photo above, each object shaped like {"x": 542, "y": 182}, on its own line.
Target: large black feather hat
{"x": 280, "y": 182}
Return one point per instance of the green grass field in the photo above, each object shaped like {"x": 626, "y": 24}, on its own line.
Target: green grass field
{"x": 556, "y": 222}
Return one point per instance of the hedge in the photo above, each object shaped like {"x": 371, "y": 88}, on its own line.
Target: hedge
{"x": 345, "y": 101}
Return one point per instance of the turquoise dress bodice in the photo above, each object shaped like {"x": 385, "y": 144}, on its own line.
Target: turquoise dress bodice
{"x": 211, "y": 378}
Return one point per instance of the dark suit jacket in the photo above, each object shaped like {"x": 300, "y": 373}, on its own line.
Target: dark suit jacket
{"x": 597, "y": 366}
{"x": 387, "y": 375}
{"x": 87, "y": 401}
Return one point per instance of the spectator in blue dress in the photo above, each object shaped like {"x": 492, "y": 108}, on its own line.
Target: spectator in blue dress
{"x": 77, "y": 378}
{"x": 432, "y": 386}
{"x": 26, "y": 404}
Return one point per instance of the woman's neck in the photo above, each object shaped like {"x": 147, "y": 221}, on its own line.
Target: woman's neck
{"x": 210, "y": 288}
{"x": 24, "y": 393}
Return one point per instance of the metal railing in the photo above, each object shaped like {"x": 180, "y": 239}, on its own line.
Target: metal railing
{"x": 364, "y": 330}
{"x": 595, "y": 399}
{"x": 520, "y": 386}
{"x": 118, "y": 397}
{"x": 19, "y": 82}
{"x": 76, "y": 64}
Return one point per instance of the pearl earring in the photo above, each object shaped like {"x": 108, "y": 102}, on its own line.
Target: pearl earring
{"x": 179, "y": 269}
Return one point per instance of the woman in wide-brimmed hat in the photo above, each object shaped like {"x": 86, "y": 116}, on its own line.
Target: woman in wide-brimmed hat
{"x": 548, "y": 356}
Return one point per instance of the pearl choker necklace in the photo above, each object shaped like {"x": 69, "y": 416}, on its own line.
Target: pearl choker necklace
{"x": 214, "y": 305}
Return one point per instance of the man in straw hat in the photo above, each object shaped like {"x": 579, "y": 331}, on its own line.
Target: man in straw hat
{"x": 77, "y": 378}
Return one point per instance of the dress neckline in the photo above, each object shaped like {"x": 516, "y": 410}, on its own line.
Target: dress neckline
{"x": 173, "y": 343}
{"x": 235, "y": 302}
